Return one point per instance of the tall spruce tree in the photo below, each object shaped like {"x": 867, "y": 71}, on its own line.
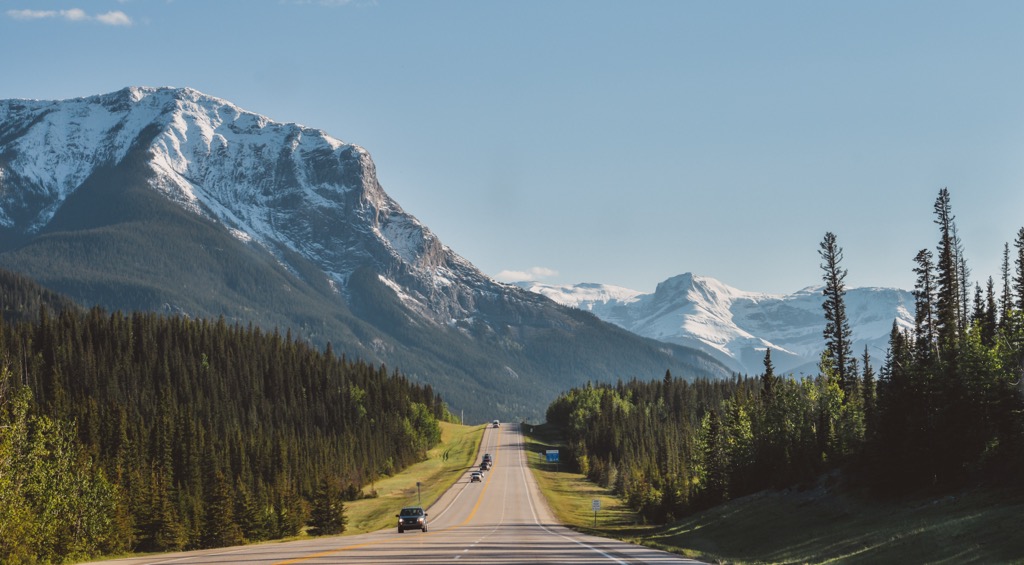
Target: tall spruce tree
{"x": 963, "y": 273}
{"x": 1018, "y": 278}
{"x": 868, "y": 388}
{"x": 924, "y": 309}
{"x": 897, "y": 427}
{"x": 838, "y": 336}
{"x": 989, "y": 323}
{"x": 1006, "y": 298}
{"x": 978, "y": 313}
{"x": 327, "y": 517}
{"x": 947, "y": 292}
{"x": 768, "y": 378}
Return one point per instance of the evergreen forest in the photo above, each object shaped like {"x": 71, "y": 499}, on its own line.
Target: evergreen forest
{"x": 944, "y": 411}
{"x": 139, "y": 432}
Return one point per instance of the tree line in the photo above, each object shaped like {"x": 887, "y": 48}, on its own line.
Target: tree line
{"x": 141, "y": 432}
{"x": 946, "y": 407}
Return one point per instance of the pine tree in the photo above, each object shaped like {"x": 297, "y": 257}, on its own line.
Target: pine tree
{"x": 978, "y": 312}
{"x": 219, "y": 527}
{"x": 963, "y": 275}
{"x": 868, "y": 389}
{"x": 948, "y": 320}
{"x": 715, "y": 457}
{"x": 768, "y": 377}
{"x": 924, "y": 308}
{"x": 893, "y": 437}
{"x": 838, "y": 337}
{"x": 990, "y": 322}
{"x": 1006, "y": 298}
{"x": 1018, "y": 279}
{"x": 327, "y": 516}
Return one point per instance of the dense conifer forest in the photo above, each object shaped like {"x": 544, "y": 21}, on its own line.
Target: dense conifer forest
{"x": 945, "y": 410}
{"x": 140, "y": 432}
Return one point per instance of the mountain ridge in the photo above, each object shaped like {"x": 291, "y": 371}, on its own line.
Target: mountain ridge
{"x": 171, "y": 200}
{"x": 736, "y": 326}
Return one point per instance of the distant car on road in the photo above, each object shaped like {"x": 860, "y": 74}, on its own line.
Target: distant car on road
{"x": 494, "y": 424}
{"x": 487, "y": 460}
{"x": 485, "y": 466}
{"x": 412, "y": 518}
{"x": 476, "y": 477}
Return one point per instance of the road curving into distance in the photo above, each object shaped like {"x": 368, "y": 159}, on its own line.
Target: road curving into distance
{"x": 503, "y": 519}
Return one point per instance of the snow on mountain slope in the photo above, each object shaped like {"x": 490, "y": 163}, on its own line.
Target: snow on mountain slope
{"x": 283, "y": 186}
{"x": 148, "y": 186}
{"x": 737, "y": 326}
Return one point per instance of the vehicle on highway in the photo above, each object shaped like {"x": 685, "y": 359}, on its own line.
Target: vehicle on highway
{"x": 476, "y": 477}
{"x": 485, "y": 466}
{"x": 495, "y": 424}
{"x": 488, "y": 460}
{"x": 412, "y": 518}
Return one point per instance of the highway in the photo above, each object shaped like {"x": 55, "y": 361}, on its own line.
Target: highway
{"x": 503, "y": 519}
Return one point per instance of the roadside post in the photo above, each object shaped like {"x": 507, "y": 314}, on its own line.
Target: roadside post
{"x": 418, "y": 493}
{"x": 596, "y": 505}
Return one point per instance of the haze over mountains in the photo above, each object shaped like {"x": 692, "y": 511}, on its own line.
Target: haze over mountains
{"x": 737, "y": 326}
{"x": 170, "y": 200}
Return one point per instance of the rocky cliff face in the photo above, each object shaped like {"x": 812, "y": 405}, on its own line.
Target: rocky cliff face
{"x": 172, "y": 200}
{"x": 291, "y": 189}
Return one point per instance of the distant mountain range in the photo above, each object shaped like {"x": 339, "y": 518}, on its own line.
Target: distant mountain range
{"x": 735, "y": 326}
{"x": 169, "y": 200}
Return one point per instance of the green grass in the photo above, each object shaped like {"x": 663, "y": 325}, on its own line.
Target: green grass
{"x": 823, "y": 524}
{"x": 569, "y": 494}
{"x": 435, "y": 475}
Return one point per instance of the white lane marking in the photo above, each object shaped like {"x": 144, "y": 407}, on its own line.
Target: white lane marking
{"x": 536, "y": 520}
{"x": 452, "y": 503}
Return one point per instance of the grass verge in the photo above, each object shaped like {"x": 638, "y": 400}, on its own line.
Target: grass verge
{"x": 823, "y": 524}
{"x": 570, "y": 495}
{"x": 435, "y": 475}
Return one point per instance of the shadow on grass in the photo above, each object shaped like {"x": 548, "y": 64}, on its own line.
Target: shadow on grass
{"x": 790, "y": 527}
{"x": 571, "y": 494}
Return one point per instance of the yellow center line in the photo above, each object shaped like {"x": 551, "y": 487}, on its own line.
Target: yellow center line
{"x": 472, "y": 513}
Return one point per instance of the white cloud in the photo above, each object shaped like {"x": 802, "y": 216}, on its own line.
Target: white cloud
{"x": 74, "y": 14}
{"x": 31, "y": 14}
{"x": 533, "y": 274}
{"x": 114, "y": 18}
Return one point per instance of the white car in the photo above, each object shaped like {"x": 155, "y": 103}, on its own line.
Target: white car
{"x": 476, "y": 477}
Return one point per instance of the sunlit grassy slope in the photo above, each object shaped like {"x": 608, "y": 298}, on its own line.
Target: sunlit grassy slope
{"x": 435, "y": 475}
{"x": 821, "y": 524}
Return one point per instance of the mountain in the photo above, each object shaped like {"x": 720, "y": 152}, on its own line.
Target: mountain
{"x": 737, "y": 326}
{"x": 170, "y": 200}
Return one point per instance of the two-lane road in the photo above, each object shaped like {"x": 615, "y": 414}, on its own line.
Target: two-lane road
{"x": 502, "y": 519}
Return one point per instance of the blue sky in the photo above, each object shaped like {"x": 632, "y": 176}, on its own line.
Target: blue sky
{"x": 613, "y": 142}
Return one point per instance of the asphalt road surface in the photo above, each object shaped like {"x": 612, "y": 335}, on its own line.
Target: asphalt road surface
{"x": 503, "y": 519}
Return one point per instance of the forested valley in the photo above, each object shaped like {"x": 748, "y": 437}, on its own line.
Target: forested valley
{"x": 122, "y": 432}
{"x": 945, "y": 409}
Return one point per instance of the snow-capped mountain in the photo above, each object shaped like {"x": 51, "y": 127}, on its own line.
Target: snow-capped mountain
{"x": 736, "y": 326}
{"x": 282, "y": 186}
{"x": 168, "y": 199}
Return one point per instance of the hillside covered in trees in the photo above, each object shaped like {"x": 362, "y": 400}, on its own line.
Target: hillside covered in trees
{"x": 141, "y": 432}
{"x": 945, "y": 410}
